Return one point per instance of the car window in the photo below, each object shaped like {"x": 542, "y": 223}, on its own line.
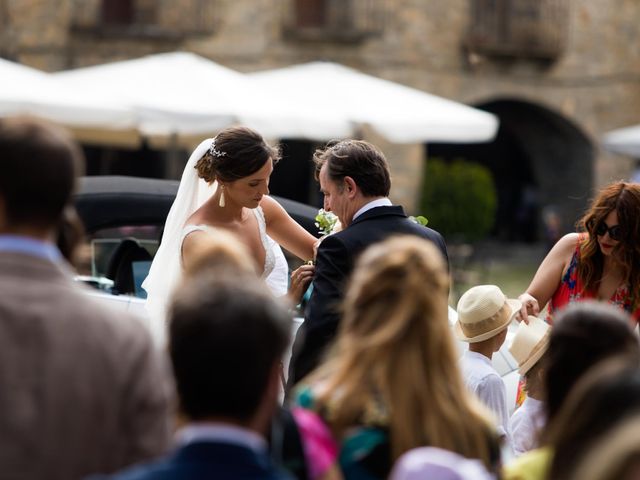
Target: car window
{"x": 106, "y": 251}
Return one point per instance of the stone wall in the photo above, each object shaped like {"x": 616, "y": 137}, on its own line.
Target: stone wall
{"x": 595, "y": 84}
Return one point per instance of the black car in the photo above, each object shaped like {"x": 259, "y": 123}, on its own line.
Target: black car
{"x": 124, "y": 217}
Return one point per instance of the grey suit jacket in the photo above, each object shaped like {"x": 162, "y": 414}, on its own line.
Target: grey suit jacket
{"x": 82, "y": 388}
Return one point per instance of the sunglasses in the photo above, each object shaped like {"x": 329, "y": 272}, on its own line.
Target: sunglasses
{"x": 615, "y": 231}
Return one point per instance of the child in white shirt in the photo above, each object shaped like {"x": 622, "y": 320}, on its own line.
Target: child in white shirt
{"x": 484, "y": 314}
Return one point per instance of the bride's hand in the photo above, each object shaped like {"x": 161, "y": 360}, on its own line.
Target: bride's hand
{"x": 300, "y": 280}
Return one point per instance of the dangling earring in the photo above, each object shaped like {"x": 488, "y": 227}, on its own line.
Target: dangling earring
{"x": 221, "y": 202}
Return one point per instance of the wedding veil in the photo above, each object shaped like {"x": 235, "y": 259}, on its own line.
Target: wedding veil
{"x": 166, "y": 267}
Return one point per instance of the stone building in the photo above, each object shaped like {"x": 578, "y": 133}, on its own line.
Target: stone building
{"x": 558, "y": 73}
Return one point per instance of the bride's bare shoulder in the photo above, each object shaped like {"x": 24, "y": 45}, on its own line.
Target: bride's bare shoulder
{"x": 271, "y": 208}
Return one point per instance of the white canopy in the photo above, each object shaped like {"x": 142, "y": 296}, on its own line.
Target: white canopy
{"x": 25, "y": 90}
{"x": 187, "y": 94}
{"x": 399, "y": 113}
{"x": 625, "y": 141}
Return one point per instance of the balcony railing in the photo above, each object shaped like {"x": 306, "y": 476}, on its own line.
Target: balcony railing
{"x": 337, "y": 20}
{"x": 144, "y": 18}
{"x": 518, "y": 28}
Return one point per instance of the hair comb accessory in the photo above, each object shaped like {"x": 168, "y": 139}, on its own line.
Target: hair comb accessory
{"x": 214, "y": 151}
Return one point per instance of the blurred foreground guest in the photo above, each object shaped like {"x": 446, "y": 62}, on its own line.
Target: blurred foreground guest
{"x": 82, "y": 389}
{"x": 226, "y": 338}
{"x": 70, "y": 238}
{"x": 219, "y": 253}
{"x": 605, "y": 398}
{"x": 528, "y": 347}
{"x": 225, "y": 257}
{"x": 484, "y": 314}
{"x": 391, "y": 382}
{"x": 434, "y": 463}
{"x": 584, "y": 334}
{"x": 616, "y": 456}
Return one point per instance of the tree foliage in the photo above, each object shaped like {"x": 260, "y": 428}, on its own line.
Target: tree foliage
{"x": 459, "y": 199}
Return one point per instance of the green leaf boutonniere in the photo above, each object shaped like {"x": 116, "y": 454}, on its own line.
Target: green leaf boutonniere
{"x": 420, "y": 219}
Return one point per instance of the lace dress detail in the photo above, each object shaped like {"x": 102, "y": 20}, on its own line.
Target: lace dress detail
{"x": 269, "y": 257}
{"x": 276, "y": 269}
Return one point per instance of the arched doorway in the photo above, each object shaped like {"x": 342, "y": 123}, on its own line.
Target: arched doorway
{"x": 542, "y": 165}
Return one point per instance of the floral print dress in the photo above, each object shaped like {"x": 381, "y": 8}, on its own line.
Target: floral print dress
{"x": 571, "y": 290}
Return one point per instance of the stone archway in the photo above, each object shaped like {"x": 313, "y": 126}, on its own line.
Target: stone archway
{"x": 541, "y": 163}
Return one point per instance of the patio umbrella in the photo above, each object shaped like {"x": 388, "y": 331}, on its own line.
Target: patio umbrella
{"x": 399, "y": 113}
{"x": 625, "y": 141}
{"x": 26, "y": 90}
{"x": 185, "y": 94}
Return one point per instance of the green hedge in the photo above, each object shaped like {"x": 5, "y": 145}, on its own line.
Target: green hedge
{"x": 459, "y": 199}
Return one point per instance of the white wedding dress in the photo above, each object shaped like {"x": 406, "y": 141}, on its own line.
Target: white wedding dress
{"x": 166, "y": 268}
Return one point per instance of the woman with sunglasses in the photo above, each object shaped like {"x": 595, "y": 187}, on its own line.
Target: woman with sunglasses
{"x": 601, "y": 262}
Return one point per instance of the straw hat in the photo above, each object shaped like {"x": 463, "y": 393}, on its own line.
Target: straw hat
{"x": 530, "y": 342}
{"x": 483, "y": 312}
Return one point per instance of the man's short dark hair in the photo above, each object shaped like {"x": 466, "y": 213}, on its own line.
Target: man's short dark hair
{"x": 357, "y": 159}
{"x": 225, "y": 336}
{"x": 39, "y": 164}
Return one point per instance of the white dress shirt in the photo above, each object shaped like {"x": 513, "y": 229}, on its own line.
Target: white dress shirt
{"x": 380, "y": 202}
{"x": 526, "y": 423}
{"x": 223, "y": 433}
{"x": 482, "y": 379}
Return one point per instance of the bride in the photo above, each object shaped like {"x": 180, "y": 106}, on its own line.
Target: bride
{"x": 225, "y": 185}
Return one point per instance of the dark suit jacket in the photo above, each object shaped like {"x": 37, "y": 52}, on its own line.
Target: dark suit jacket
{"x": 334, "y": 262}
{"x": 82, "y": 387}
{"x": 205, "y": 460}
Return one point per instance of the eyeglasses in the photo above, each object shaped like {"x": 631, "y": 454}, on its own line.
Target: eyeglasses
{"x": 615, "y": 231}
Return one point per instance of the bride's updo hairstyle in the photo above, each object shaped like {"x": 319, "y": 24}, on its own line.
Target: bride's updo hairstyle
{"x": 236, "y": 152}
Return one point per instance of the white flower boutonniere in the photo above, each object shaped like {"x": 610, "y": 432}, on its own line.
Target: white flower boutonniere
{"x": 327, "y": 222}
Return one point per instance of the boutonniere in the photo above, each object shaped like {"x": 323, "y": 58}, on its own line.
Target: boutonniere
{"x": 327, "y": 222}
{"x": 419, "y": 219}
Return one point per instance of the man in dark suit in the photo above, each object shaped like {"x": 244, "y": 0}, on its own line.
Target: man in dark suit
{"x": 354, "y": 178}
{"x": 82, "y": 388}
{"x": 227, "y": 335}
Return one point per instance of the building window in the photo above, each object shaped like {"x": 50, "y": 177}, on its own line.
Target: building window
{"x": 518, "y": 28}
{"x": 143, "y": 18}
{"x": 337, "y": 20}
{"x": 117, "y": 12}
{"x": 310, "y": 13}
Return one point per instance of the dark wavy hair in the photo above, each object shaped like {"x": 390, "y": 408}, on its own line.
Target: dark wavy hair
{"x": 245, "y": 152}
{"x": 624, "y": 198}
{"x": 360, "y": 160}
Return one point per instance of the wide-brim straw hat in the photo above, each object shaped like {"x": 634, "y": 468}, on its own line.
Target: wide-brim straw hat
{"x": 483, "y": 312}
{"x": 530, "y": 342}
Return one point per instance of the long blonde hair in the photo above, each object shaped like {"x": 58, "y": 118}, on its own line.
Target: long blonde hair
{"x": 395, "y": 349}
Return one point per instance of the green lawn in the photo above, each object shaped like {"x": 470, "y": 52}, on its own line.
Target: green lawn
{"x": 511, "y": 267}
